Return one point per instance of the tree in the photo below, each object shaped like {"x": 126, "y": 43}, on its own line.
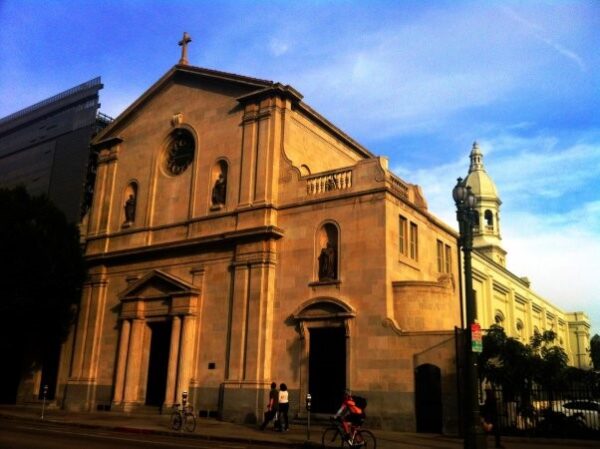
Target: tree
{"x": 41, "y": 273}
{"x": 515, "y": 366}
{"x": 595, "y": 351}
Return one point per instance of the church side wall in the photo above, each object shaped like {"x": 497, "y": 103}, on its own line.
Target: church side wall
{"x": 312, "y": 149}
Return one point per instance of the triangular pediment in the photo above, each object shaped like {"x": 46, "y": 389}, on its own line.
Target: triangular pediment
{"x": 158, "y": 284}
{"x": 241, "y": 86}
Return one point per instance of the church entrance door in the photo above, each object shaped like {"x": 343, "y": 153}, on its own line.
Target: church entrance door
{"x": 327, "y": 368}
{"x": 159, "y": 360}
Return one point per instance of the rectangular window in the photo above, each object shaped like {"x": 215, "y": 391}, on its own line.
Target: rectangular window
{"x": 414, "y": 241}
{"x": 448, "y": 259}
{"x": 403, "y": 235}
{"x": 440, "y": 256}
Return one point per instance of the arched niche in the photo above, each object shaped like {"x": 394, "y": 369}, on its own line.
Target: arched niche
{"x": 218, "y": 182}
{"x": 130, "y": 200}
{"x": 327, "y": 244}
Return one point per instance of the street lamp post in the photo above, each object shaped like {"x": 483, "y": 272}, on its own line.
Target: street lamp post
{"x": 466, "y": 215}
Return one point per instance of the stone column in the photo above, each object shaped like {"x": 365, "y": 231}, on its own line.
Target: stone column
{"x": 248, "y": 162}
{"x": 257, "y": 366}
{"x": 132, "y": 374}
{"x": 103, "y": 198}
{"x": 122, "y": 361}
{"x": 93, "y": 341}
{"x": 270, "y": 137}
{"x": 238, "y": 323}
{"x": 80, "y": 332}
{"x": 185, "y": 354}
{"x": 170, "y": 398}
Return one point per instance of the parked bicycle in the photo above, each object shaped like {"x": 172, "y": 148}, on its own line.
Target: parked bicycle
{"x": 183, "y": 416}
{"x": 336, "y": 436}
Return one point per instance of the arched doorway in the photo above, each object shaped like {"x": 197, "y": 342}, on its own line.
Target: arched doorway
{"x": 324, "y": 327}
{"x": 428, "y": 398}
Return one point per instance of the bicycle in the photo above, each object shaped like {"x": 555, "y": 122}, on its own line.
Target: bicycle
{"x": 183, "y": 417}
{"x": 336, "y": 436}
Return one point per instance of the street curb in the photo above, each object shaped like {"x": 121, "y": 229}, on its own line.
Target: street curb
{"x": 139, "y": 430}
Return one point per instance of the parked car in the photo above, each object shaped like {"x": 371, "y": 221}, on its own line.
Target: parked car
{"x": 588, "y": 410}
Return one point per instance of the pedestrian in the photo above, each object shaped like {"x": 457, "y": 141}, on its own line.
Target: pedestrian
{"x": 284, "y": 406}
{"x": 489, "y": 413}
{"x": 271, "y": 406}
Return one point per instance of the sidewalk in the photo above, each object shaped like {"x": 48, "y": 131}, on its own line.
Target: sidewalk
{"x": 211, "y": 429}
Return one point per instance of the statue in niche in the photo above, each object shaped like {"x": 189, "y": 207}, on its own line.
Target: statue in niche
{"x": 130, "y": 209}
{"x": 219, "y": 190}
{"x": 327, "y": 263}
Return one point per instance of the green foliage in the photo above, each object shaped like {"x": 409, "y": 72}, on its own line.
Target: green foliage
{"x": 515, "y": 366}
{"x": 595, "y": 351}
{"x": 41, "y": 273}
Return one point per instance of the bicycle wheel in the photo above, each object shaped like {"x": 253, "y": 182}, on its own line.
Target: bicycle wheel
{"x": 176, "y": 420}
{"x": 366, "y": 437}
{"x": 190, "y": 422}
{"x": 332, "y": 437}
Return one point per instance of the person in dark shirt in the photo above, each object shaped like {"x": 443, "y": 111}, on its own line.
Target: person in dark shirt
{"x": 271, "y": 406}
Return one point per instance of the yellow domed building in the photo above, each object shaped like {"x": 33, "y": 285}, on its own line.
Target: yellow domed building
{"x": 503, "y": 297}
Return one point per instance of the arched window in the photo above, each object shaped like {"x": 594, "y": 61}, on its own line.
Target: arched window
{"x": 476, "y": 217}
{"x": 328, "y": 252}
{"x": 519, "y": 326}
{"x": 489, "y": 218}
{"x": 219, "y": 184}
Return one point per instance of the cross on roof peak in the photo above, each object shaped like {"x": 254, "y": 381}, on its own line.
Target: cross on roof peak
{"x": 183, "y": 44}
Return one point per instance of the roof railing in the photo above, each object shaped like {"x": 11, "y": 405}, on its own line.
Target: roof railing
{"x": 84, "y": 86}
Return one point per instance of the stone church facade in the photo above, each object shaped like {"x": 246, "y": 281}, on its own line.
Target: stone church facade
{"x": 237, "y": 238}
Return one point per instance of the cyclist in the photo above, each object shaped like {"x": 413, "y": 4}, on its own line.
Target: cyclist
{"x": 349, "y": 414}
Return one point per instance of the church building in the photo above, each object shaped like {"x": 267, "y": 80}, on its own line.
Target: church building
{"x": 238, "y": 238}
{"x": 506, "y": 299}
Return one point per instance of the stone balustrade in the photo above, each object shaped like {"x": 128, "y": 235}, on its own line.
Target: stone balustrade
{"x": 328, "y": 182}
{"x": 398, "y": 185}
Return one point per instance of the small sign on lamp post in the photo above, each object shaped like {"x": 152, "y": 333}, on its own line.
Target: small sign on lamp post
{"x": 476, "y": 339}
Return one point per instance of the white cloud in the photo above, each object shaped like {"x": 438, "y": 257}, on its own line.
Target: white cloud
{"x": 278, "y": 47}
{"x": 559, "y": 256}
{"x": 541, "y": 34}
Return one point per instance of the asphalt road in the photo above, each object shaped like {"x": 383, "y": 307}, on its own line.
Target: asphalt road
{"x": 25, "y": 435}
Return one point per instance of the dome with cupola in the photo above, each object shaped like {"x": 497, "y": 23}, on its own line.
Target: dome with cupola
{"x": 480, "y": 182}
{"x": 486, "y": 231}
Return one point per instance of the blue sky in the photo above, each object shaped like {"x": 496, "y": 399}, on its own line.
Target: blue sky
{"x": 417, "y": 82}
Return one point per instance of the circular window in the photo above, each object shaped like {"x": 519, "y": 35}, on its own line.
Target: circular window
{"x": 180, "y": 152}
{"x": 519, "y": 326}
{"x": 498, "y": 317}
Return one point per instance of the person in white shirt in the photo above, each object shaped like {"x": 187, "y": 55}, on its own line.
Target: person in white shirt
{"x": 284, "y": 406}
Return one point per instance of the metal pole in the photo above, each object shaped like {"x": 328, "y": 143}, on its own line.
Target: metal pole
{"x": 465, "y": 214}
{"x": 44, "y": 393}
{"x": 308, "y": 407}
{"x": 475, "y": 438}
